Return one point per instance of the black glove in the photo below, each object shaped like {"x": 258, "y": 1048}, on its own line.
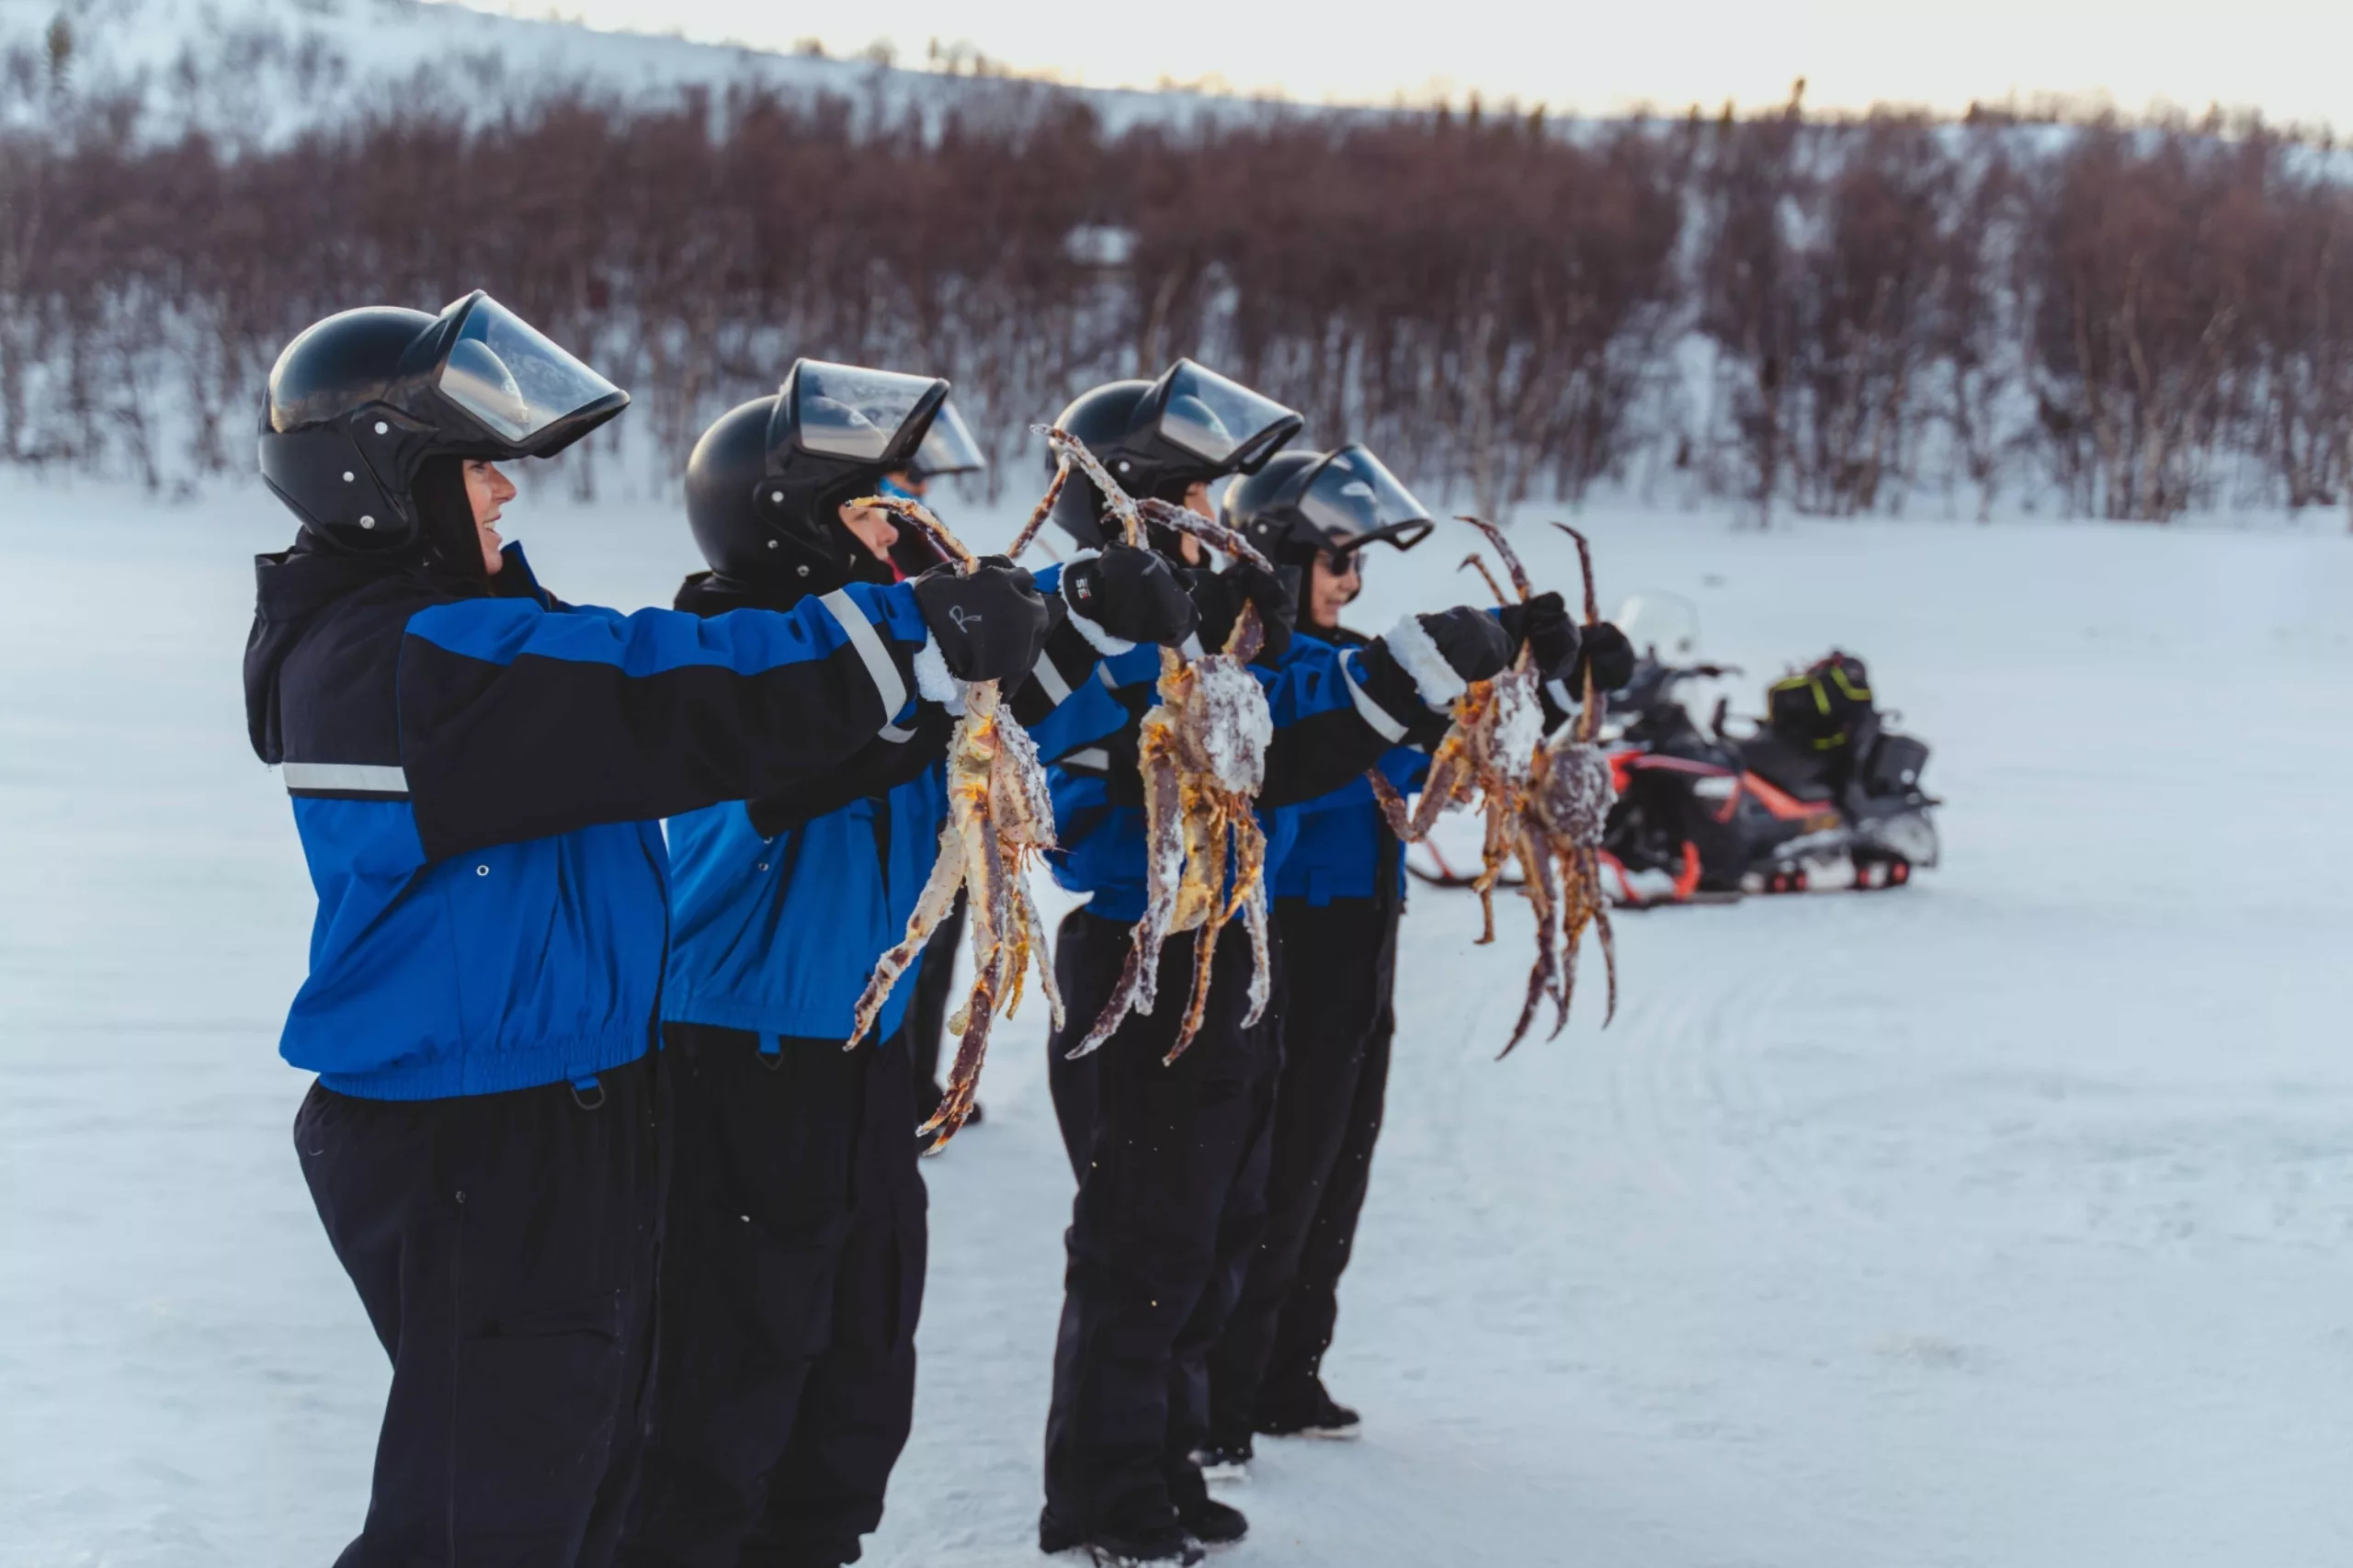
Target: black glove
{"x": 1220, "y": 597}
{"x": 1474, "y": 646}
{"x": 990, "y": 625}
{"x": 1472, "y": 642}
{"x": 1604, "y": 648}
{"x": 1132, "y": 594}
{"x": 876, "y": 768}
{"x": 1543, "y": 625}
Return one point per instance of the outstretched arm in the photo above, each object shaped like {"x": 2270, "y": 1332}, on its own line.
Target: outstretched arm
{"x": 518, "y": 724}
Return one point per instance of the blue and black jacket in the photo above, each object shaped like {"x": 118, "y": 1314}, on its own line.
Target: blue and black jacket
{"x": 1335, "y": 711}
{"x": 784, "y": 903}
{"x": 1338, "y": 846}
{"x": 478, "y": 776}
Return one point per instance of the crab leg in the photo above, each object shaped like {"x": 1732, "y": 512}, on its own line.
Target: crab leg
{"x": 1164, "y": 871}
{"x": 1511, "y": 557}
{"x": 1250, "y": 854}
{"x": 1535, "y": 862}
{"x": 1449, "y": 782}
{"x": 915, "y": 515}
{"x": 1589, "y": 711}
{"x": 1475, "y": 560}
{"x": 985, "y": 877}
{"x": 1216, "y": 836}
{"x": 1209, "y": 530}
{"x": 1069, "y": 449}
{"x": 1044, "y": 509}
{"x": 1034, "y": 930}
{"x": 938, "y": 896}
{"x": 1249, "y": 637}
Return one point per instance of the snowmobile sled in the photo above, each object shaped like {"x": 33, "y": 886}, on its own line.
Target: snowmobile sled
{"x": 1820, "y": 793}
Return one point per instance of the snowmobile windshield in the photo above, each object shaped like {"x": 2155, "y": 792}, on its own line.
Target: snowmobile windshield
{"x": 948, "y": 447}
{"x": 1661, "y": 626}
{"x": 868, "y": 417}
{"x": 1221, "y": 422}
{"x": 1354, "y": 501}
{"x": 521, "y": 387}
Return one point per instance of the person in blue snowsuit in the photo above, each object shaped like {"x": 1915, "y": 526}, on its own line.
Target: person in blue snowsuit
{"x": 1171, "y": 1159}
{"x": 1338, "y": 895}
{"x": 794, "y": 1238}
{"x": 478, "y": 771}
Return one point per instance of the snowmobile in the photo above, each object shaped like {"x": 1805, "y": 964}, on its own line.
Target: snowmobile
{"x": 1820, "y": 793}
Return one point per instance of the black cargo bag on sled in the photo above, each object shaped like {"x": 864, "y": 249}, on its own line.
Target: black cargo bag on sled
{"x": 1828, "y": 711}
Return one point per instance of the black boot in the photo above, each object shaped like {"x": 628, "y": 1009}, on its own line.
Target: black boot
{"x": 1150, "y": 1546}
{"x": 1213, "y": 1523}
{"x": 1318, "y": 1415}
{"x": 1207, "y": 1520}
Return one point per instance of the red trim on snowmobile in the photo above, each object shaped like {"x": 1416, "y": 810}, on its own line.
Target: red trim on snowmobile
{"x": 1788, "y": 807}
{"x": 1688, "y": 883}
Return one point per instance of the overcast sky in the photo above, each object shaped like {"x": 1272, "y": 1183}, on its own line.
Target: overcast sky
{"x": 2292, "y": 60}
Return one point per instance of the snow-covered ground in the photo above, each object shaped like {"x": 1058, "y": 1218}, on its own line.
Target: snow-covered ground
{"x": 2000, "y": 1222}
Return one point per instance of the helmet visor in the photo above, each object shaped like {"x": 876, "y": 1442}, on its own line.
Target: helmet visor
{"x": 1221, "y": 422}
{"x": 501, "y": 369}
{"x": 948, "y": 447}
{"x": 848, "y": 410}
{"x": 1354, "y": 500}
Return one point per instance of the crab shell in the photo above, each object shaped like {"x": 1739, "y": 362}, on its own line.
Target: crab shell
{"x": 1574, "y": 796}
{"x": 1221, "y": 725}
{"x": 1020, "y": 805}
{"x": 1505, "y": 739}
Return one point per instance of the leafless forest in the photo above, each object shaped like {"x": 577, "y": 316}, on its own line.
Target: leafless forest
{"x": 1878, "y": 315}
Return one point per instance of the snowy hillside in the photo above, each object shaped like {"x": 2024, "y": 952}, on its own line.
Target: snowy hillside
{"x": 1995, "y": 1223}
{"x": 264, "y": 69}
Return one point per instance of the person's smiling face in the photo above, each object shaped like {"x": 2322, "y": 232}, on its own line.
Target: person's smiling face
{"x": 489, "y": 491}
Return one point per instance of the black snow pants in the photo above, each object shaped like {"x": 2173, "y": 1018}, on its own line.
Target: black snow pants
{"x": 504, "y": 1247}
{"x": 1171, "y": 1163}
{"x": 1337, "y": 1011}
{"x": 792, "y": 1275}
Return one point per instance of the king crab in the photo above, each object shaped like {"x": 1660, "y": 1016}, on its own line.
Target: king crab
{"x": 1203, "y": 753}
{"x": 1544, "y": 803}
{"x": 1000, "y": 818}
{"x": 1571, "y": 792}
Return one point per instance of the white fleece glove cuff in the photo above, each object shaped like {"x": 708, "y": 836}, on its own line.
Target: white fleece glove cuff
{"x": 1416, "y": 653}
{"x": 933, "y": 683}
{"x": 1102, "y": 642}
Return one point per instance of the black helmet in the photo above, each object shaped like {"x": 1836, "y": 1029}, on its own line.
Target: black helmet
{"x": 1302, "y": 505}
{"x": 360, "y": 401}
{"x": 1160, "y": 439}
{"x": 764, "y": 483}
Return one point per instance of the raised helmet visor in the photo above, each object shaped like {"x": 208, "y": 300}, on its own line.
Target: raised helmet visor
{"x": 1219, "y": 421}
{"x": 521, "y": 388}
{"x": 854, "y": 413}
{"x": 1353, "y": 500}
{"x": 948, "y": 448}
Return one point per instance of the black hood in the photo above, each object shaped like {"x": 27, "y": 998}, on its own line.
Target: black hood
{"x": 293, "y": 586}
{"x": 290, "y": 589}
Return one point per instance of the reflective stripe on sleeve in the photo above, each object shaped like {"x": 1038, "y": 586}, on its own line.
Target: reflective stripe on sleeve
{"x": 1050, "y": 679}
{"x": 346, "y": 777}
{"x": 862, "y": 637}
{"x": 1373, "y": 713}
